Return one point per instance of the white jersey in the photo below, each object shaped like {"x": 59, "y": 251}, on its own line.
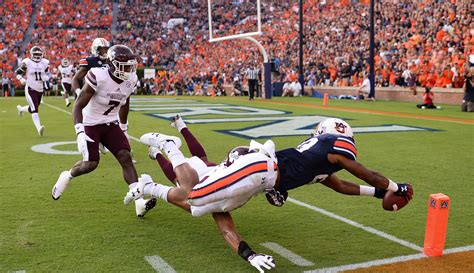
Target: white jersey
{"x": 36, "y": 73}
{"x": 67, "y": 72}
{"x": 223, "y": 189}
{"x": 109, "y": 96}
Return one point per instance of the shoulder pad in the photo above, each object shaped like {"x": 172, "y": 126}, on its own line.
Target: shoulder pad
{"x": 345, "y": 146}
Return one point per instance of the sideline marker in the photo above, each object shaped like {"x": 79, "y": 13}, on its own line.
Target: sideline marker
{"x": 325, "y": 99}
{"x": 436, "y": 224}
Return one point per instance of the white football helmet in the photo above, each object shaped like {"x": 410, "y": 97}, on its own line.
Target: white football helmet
{"x": 333, "y": 126}
{"x": 65, "y": 62}
{"x": 100, "y": 43}
{"x": 36, "y": 54}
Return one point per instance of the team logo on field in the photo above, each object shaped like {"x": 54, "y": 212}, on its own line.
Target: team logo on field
{"x": 444, "y": 204}
{"x": 433, "y": 203}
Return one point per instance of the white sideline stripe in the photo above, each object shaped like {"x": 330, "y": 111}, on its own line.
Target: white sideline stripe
{"x": 20, "y": 271}
{"x": 57, "y": 108}
{"x": 64, "y": 111}
{"x": 355, "y": 224}
{"x": 387, "y": 261}
{"x": 288, "y": 254}
{"x": 159, "y": 264}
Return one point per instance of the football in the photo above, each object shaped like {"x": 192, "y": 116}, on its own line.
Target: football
{"x": 393, "y": 202}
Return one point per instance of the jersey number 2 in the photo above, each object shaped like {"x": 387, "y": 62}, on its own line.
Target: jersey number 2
{"x": 114, "y": 104}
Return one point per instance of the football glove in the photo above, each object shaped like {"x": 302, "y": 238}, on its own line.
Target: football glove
{"x": 124, "y": 127}
{"x": 275, "y": 197}
{"x": 261, "y": 261}
{"x": 21, "y": 79}
{"x": 405, "y": 190}
{"x": 82, "y": 140}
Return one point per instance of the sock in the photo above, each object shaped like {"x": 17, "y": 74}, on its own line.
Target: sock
{"x": 36, "y": 120}
{"x": 366, "y": 190}
{"x": 174, "y": 154}
{"x": 24, "y": 108}
{"x": 166, "y": 167}
{"x": 195, "y": 147}
{"x": 157, "y": 190}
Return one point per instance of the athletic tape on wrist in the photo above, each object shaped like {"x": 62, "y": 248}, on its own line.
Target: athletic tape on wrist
{"x": 244, "y": 250}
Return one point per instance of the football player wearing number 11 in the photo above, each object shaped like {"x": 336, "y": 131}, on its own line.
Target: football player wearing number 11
{"x": 103, "y": 101}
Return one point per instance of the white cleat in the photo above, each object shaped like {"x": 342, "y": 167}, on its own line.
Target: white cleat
{"x": 153, "y": 152}
{"x": 158, "y": 140}
{"x": 178, "y": 123}
{"x": 143, "y": 206}
{"x": 68, "y": 103}
{"x": 41, "y": 130}
{"x": 138, "y": 192}
{"x": 20, "y": 112}
{"x": 61, "y": 185}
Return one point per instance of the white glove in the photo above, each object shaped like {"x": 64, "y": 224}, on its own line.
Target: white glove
{"x": 124, "y": 127}
{"x": 82, "y": 138}
{"x": 78, "y": 91}
{"x": 260, "y": 261}
{"x": 21, "y": 79}
{"x": 138, "y": 191}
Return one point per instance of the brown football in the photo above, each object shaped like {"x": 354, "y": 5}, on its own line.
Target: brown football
{"x": 393, "y": 202}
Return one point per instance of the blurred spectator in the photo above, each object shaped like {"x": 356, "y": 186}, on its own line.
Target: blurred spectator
{"x": 468, "y": 88}
{"x": 428, "y": 97}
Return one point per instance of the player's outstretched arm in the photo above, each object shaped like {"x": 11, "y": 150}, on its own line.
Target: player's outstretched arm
{"x": 350, "y": 188}
{"x": 227, "y": 228}
{"x": 373, "y": 178}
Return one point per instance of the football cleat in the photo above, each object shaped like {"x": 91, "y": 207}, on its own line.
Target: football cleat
{"x": 41, "y": 130}
{"x": 178, "y": 123}
{"x": 20, "y": 112}
{"x": 153, "y": 152}
{"x": 68, "y": 103}
{"x": 61, "y": 185}
{"x": 158, "y": 140}
{"x": 143, "y": 206}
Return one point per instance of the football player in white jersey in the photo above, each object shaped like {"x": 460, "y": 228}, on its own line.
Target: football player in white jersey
{"x": 103, "y": 101}
{"x": 66, "y": 72}
{"x": 36, "y": 70}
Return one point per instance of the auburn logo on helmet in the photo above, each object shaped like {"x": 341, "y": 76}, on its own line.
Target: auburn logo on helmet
{"x": 340, "y": 127}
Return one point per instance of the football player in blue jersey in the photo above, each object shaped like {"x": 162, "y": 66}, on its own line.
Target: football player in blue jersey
{"x": 315, "y": 160}
{"x": 98, "y": 58}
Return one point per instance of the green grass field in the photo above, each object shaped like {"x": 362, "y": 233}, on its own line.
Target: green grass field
{"x": 90, "y": 230}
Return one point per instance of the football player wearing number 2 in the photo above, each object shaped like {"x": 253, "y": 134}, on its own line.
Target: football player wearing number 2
{"x": 103, "y": 101}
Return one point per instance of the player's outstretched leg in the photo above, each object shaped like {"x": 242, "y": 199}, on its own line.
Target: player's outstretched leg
{"x": 194, "y": 146}
{"x": 166, "y": 166}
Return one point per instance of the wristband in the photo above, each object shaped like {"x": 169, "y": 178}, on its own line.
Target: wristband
{"x": 79, "y": 127}
{"x": 392, "y": 186}
{"x": 379, "y": 193}
{"x": 245, "y": 251}
{"x": 123, "y": 126}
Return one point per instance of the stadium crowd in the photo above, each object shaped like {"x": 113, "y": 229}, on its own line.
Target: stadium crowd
{"x": 418, "y": 42}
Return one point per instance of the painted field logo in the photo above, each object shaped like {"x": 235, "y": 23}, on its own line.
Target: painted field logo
{"x": 444, "y": 204}
{"x": 273, "y": 123}
{"x": 433, "y": 203}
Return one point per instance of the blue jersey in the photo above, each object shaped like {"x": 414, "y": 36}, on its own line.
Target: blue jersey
{"x": 308, "y": 163}
{"x": 91, "y": 61}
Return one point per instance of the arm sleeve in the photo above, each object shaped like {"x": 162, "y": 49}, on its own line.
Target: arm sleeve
{"x": 344, "y": 146}
{"x": 91, "y": 80}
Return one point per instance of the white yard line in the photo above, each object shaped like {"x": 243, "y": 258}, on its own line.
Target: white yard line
{"x": 386, "y": 261}
{"x": 358, "y": 225}
{"x": 288, "y": 254}
{"x": 159, "y": 264}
